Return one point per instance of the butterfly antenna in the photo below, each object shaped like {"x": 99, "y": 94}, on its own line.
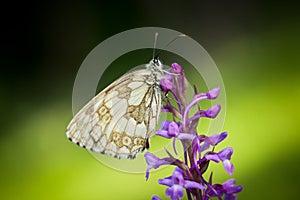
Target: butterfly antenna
{"x": 154, "y": 46}
{"x": 168, "y": 44}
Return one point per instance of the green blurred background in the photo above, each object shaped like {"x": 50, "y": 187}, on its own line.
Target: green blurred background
{"x": 256, "y": 46}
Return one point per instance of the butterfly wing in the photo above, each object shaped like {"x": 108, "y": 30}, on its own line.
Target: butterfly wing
{"x": 120, "y": 119}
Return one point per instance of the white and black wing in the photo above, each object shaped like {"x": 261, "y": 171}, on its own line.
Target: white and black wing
{"x": 121, "y": 118}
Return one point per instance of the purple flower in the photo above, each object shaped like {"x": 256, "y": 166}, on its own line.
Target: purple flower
{"x": 165, "y": 109}
{"x": 213, "y": 140}
{"x": 154, "y": 197}
{"x": 165, "y": 125}
{"x": 188, "y": 174}
{"x": 228, "y": 166}
{"x": 166, "y": 84}
{"x": 214, "y": 93}
{"x": 172, "y": 130}
{"x": 155, "y": 162}
{"x": 224, "y": 156}
{"x": 210, "y": 113}
{"x": 230, "y": 189}
{"x": 177, "y": 184}
{"x": 216, "y": 138}
{"x": 226, "y": 153}
{"x": 177, "y": 68}
{"x": 213, "y": 111}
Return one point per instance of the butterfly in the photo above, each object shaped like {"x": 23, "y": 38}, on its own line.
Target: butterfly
{"x": 120, "y": 119}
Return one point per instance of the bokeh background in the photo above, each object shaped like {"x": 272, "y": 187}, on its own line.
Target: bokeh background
{"x": 256, "y": 46}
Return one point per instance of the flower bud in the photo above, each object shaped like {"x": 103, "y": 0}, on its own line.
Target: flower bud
{"x": 213, "y": 111}
{"x": 176, "y": 68}
{"x": 213, "y": 94}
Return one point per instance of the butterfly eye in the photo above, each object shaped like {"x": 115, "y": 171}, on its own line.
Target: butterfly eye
{"x": 156, "y": 61}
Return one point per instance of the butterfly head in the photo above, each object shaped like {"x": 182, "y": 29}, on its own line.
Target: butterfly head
{"x": 156, "y": 61}
{"x": 155, "y": 64}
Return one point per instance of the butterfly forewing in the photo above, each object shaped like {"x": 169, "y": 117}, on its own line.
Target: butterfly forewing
{"x": 121, "y": 118}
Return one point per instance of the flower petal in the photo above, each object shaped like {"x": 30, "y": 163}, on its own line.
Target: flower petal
{"x": 186, "y": 136}
{"x": 230, "y": 188}
{"x": 166, "y": 84}
{"x": 155, "y": 162}
{"x": 236, "y": 189}
{"x": 212, "y": 156}
{"x": 173, "y": 129}
{"x": 204, "y": 146}
{"x": 176, "y": 68}
{"x": 179, "y": 170}
{"x": 166, "y": 181}
{"x": 154, "y": 197}
{"x": 165, "y": 109}
{"x": 147, "y": 173}
{"x": 164, "y": 125}
{"x": 193, "y": 184}
{"x": 151, "y": 159}
{"x": 163, "y": 133}
{"x": 175, "y": 192}
{"x": 226, "y": 153}
{"x": 213, "y": 94}
{"x": 230, "y": 197}
{"x": 213, "y": 111}
{"x": 216, "y": 138}
{"x": 229, "y": 168}
{"x": 177, "y": 177}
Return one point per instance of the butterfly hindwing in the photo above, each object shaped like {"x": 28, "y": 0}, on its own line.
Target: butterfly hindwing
{"x": 121, "y": 118}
